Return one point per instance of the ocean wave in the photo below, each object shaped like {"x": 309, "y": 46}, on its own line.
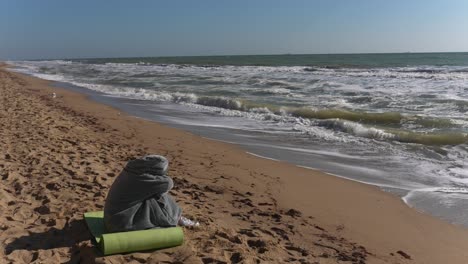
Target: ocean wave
{"x": 430, "y": 139}
{"x": 452, "y": 190}
{"x": 464, "y": 70}
{"x": 442, "y": 190}
{"x": 356, "y": 129}
{"x": 450, "y": 138}
{"x": 62, "y": 62}
{"x": 373, "y": 118}
{"x": 337, "y": 120}
{"x": 429, "y": 122}
{"x": 429, "y": 72}
{"x": 220, "y": 102}
{"x": 425, "y": 72}
{"x": 435, "y": 70}
{"x": 311, "y": 69}
{"x": 385, "y": 119}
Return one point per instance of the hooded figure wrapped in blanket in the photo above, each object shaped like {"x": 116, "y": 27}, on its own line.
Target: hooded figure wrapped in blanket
{"x": 138, "y": 199}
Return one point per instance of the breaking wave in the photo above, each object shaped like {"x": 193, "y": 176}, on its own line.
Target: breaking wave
{"x": 373, "y": 118}
{"x": 431, "y": 139}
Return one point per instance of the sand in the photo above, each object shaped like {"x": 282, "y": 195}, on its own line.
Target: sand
{"x": 59, "y": 156}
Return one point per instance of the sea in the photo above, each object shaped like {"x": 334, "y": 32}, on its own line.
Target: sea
{"x": 397, "y": 121}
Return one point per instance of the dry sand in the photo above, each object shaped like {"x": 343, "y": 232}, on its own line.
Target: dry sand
{"x": 58, "y": 157}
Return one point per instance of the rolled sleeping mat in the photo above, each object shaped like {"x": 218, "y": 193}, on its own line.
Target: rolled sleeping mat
{"x": 123, "y": 242}
{"x": 141, "y": 240}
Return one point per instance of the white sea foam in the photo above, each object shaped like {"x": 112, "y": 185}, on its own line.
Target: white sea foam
{"x": 360, "y": 181}
{"x": 260, "y": 156}
{"x": 355, "y": 129}
{"x": 448, "y": 190}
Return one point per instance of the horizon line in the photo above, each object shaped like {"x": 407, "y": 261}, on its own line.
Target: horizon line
{"x": 238, "y": 55}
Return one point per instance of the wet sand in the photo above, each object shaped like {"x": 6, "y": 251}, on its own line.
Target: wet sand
{"x": 60, "y": 155}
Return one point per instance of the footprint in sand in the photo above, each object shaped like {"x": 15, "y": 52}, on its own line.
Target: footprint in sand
{"x": 259, "y": 245}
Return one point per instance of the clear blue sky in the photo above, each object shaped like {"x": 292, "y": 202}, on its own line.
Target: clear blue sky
{"x": 70, "y": 29}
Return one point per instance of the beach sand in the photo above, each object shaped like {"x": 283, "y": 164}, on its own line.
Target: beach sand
{"x": 59, "y": 156}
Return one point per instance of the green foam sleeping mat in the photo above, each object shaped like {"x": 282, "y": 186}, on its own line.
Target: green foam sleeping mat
{"x": 123, "y": 242}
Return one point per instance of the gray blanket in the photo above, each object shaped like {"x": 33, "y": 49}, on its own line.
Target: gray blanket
{"x": 138, "y": 199}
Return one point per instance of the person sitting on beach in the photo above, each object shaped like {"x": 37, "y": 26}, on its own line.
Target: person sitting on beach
{"x": 139, "y": 199}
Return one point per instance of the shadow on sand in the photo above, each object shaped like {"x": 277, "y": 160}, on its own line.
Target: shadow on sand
{"x": 70, "y": 237}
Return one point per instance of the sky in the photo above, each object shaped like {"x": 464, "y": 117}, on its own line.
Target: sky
{"x": 52, "y": 29}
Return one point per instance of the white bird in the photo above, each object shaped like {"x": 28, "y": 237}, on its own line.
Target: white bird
{"x": 54, "y": 95}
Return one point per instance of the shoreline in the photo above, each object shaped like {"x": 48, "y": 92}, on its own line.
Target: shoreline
{"x": 356, "y": 149}
{"x": 348, "y": 216}
{"x": 120, "y": 104}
